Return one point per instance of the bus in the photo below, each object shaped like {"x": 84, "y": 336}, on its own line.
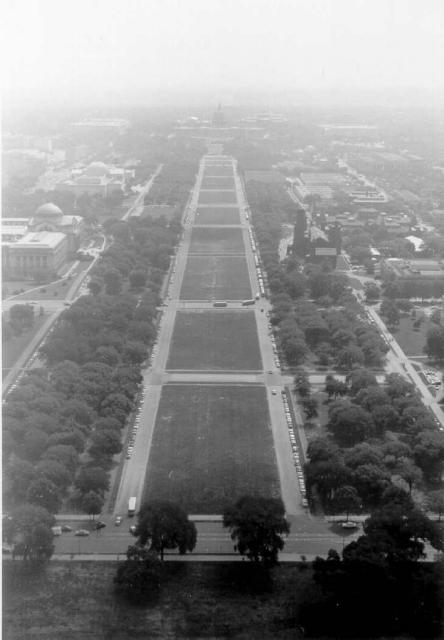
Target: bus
{"x": 131, "y": 507}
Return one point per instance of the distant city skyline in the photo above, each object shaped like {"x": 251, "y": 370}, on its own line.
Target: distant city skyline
{"x": 97, "y": 52}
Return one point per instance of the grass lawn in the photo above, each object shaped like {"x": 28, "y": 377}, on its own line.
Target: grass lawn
{"x": 75, "y": 601}
{"x": 43, "y": 291}
{"x": 217, "y": 215}
{"x": 221, "y": 182}
{"x": 213, "y": 241}
{"x": 216, "y": 340}
{"x": 218, "y": 170}
{"x": 320, "y": 430}
{"x": 157, "y": 211}
{"x": 217, "y": 197}
{"x": 211, "y": 445}
{"x": 412, "y": 342}
{"x": 12, "y": 349}
{"x": 216, "y": 277}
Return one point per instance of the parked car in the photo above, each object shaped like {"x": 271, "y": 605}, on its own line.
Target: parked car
{"x": 81, "y": 532}
{"x": 100, "y": 524}
{"x": 66, "y": 528}
{"x": 349, "y": 525}
{"x": 118, "y": 521}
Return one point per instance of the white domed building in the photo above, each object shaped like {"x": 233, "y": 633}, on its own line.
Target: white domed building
{"x": 97, "y": 178}
{"x": 49, "y": 217}
{"x": 50, "y": 241}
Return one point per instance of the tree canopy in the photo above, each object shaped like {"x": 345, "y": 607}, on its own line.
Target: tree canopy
{"x": 165, "y": 525}
{"x": 257, "y": 524}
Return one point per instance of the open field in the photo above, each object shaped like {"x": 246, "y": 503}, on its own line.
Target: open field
{"x": 217, "y": 215}
{"x": 216, "y": 340}
{"x": 222, "y": 182}
{"x": 216, "y": 278}
{"x": 211, "y": 445}
{"x": 412, "y": 342}
{"x": 158, "y": 210}
{"x": 218, "y": 170}
{"x": 76, "y": 601}
{"x": 213, "y": 241}
{"x": 217, "y": 197}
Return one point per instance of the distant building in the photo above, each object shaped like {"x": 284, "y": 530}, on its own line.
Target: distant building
{"x": 42, "y": 245}
{"x": 314, "y": 243}
{"x": 40, "y": 253}
{"x": 49, "y": 217}
{"x": 351, "y": 132}
{"x": 218, "y": 118}
{"x": 418, "y": 269}
{"x": 12, "y": 229}
{"x": 96, "y": 179}
{"x": 114, "y": 126}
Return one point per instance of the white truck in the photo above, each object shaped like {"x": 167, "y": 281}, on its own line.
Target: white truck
{"x": 131, "y": 507}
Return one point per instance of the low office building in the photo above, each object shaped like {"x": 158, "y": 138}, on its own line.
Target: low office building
{"x": 419, "y": 269}
{"x": 96, "y": 179}
{"x": 40, "y": 253}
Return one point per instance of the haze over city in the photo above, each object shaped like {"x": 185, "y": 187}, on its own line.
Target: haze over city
{"x": 222, "y": 246}
{"x": 190, "y": 51}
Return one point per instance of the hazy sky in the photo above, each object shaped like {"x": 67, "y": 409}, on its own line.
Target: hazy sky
{"x": 92, "y": 51}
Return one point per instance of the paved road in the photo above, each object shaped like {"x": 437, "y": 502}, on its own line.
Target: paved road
{"x": 401, "y": 364}
{"x": 137, "y": 207}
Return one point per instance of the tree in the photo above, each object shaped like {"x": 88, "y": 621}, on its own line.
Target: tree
{"x": 334, "y": 387}
{"x": 31, "y": 533}
{"x": 350, "y": 425}
{"x": 434, "y": 347}
{"x": 429, "y": 454}
{"x": 321, "y": 449}
{"x": 399, "y": 534}
{"x": 409, "y": 472}
{"x": 21, "y": 317}
{"x": 390, "y": 312}
{"x": 372, "y": 292}
{"x": 63, "y": 453}
{"x": 350, "y": 357}
{"x": 360, "y": 379}
{"x": 139, "y": 576}
{"x": 302, "y": 383}
{"x": 435, "y": 502}
{"x": 347, "y": 499}
{"x": 44, "y": 493}
{"x": 137, "y": 278}
{"x": 105, "y": 443}
{"x": 113, "y": 282}
{"x": 95, "y": 287}
{"x": 310, "y": 406}
{"x": 257, "y": 524}
{"x": 17, "y": 476}
{"x": 370, "y": 481}
{"x": 166, "y": 526}
{"x": 54, "y": 471}
{"x": 92, "y": 479}
{"x": 92, "y": 503}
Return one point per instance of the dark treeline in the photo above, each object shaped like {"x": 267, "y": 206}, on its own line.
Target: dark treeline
{"x": 62, "y": 425}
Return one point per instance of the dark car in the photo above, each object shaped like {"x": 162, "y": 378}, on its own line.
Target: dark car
{"x": 66, "y": 528}
{"x": 100, "y": 525}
